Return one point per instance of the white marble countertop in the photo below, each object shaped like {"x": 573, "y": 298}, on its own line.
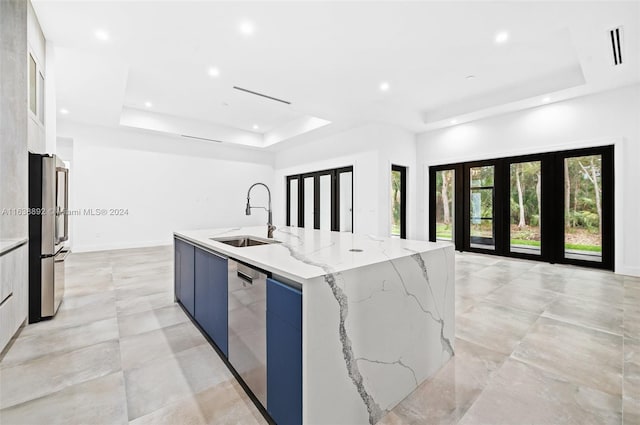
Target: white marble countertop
{"x": 9, "y": 244}
{"x": 306, "y": 253}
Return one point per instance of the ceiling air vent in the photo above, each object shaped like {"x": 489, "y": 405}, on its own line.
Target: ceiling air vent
{"x": 616, "y": 44}
{"x": 200, "y": 138}
{"x": 261, "y": 95}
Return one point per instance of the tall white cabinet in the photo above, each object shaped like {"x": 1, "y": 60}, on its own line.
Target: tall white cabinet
{"x": 14, "y": 273}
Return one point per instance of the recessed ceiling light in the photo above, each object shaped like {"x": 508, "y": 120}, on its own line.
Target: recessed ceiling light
{"x": 102, "y": 35}
{"x": 384, "y": 86}
{"x": 502, "y": 37}
{"x": 148, "y": 104}
{"x": 246, "y": 28}
{"x": 64, "y": 111}
{"x": 546, "y": 99}
{"x": 255, "y": 126}
{"x": 213, "y": 71}
{"x": 454, "y": 121}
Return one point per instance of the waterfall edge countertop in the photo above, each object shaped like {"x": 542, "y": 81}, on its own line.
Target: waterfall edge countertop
{"x": 304, "y": 254}
{"x": 374, "y": 324}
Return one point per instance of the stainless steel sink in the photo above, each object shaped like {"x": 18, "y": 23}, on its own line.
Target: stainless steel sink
{"x": 244, "y": 241}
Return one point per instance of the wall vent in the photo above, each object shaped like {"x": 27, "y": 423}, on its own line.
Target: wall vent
{"x": 200, "y": 138}
{"x": 261, "y": 95}
{"x": 616, "y": 45}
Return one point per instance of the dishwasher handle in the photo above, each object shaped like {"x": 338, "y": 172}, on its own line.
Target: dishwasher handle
{"x": 245, "y": 277}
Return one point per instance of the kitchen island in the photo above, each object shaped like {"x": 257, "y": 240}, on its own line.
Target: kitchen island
{"x": 354, "y": 323}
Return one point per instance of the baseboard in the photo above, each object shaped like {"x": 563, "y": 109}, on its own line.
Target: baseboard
{"x": 120, "y": 245}
{"x": 629, "y": 271}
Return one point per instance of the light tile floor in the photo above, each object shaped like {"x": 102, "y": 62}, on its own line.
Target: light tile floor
{"x": 535, "y": 344}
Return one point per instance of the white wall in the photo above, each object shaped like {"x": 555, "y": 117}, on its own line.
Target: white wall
{"x": 371, "y": 149}
{"x": 37, "y": 48}
{"x": 64, "y": 149}
{"x": 170, "y": 183}
{"x": 50, "y": 100}
{"x": 165, "y": 183}
{"x": 604, "y": 118}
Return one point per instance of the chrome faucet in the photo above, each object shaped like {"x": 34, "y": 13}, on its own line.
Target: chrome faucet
{"x": 247, "y": 211}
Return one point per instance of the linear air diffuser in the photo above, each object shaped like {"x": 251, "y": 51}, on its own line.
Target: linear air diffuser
{"x": 616, "y": 44}
{"x": 200, "y": 138}
{"x": 261, "y": 95}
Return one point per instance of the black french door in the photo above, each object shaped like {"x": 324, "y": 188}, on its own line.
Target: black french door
{"x": 398, "y": 201}
{"x": 321, "y": 200}
{"x": 556, "y": 207}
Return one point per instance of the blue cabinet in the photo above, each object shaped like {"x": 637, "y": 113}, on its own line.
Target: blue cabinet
{"x": 284, "y": 353}
{"x": 211, "y": 297}
{"x": 184, "y": 274}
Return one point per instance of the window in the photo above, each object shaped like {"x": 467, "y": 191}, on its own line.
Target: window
{"x": 399, "y": 201}
{"x": 555, "y": 207}
{"x": 345, "y": 200}
{"x": 481, "y": 208}
{"x": 32, "y": 85}
{"x": 525, "y": 206}
{"x": 321, "y": 200}
{"x": 583, "y": 208}
{"x": 36, "y": 89}
{"x": 40, "y": 97}
{"x": 292, "y": 202}
{"x": 445, "y": 187}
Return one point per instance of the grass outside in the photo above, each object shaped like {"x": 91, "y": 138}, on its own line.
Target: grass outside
{"x": 444, "y": 231}
{"x": 572, "y": 246}
{"x": 578, "y": 247}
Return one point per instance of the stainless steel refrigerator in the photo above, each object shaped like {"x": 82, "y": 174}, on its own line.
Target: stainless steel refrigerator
{"x": 48, "y": 230}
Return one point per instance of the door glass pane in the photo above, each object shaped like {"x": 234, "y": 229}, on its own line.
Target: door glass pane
{"x": 583, "y": 208}
{"x": 445, "y": 190}
{"x": 32, "y": 84}
{"x": 325, "y": 202}
{"x": 346, "y": 201}
{"x": 308, "y": 203}
{"x": 481, "y": 208}
{"x": 396, "y": 203}
{"x": 293, "y": 202}
{"x": 526, "y": 186}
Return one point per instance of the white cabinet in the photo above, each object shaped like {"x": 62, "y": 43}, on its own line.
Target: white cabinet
{"x": 14, "y": 290}
{"x": 7, "y": 276}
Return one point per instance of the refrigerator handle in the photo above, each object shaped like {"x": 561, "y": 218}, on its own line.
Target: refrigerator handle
{"x": 48, "y": 217}
{"x": 65, "y": 207}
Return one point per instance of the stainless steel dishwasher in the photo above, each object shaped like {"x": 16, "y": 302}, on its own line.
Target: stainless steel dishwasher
{"x": 248, "y": 326}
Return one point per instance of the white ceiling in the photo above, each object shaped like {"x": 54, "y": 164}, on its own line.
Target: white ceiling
{"x": 329, "y": 58}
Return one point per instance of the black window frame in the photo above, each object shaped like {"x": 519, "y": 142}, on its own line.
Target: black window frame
{"x": 552, "y": 206}
{"x": 403, "y": 198}
{"x": 495, "y": 200}
{"x": 335, "y": 196}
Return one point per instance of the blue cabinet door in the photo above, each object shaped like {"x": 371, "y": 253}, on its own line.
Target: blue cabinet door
{"x": 212, "y": 297}
{"x": 184, "y": 274}
{"x": 284, "y": 353}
